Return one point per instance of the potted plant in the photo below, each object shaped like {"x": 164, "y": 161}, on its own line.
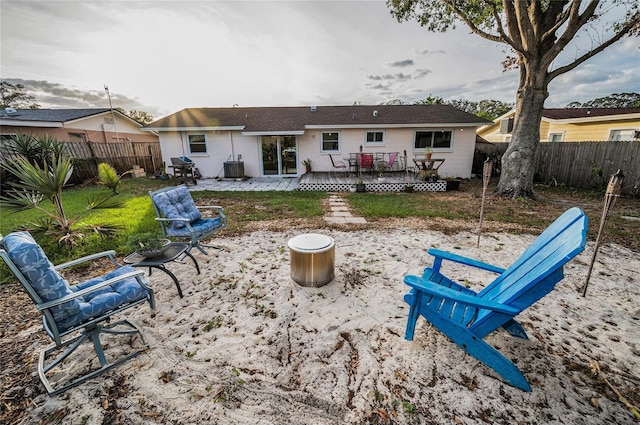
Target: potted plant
{"x": 149, "y": 244}
{"x": 408, "y": 187}
{"x": 427, "y": 152}
{"x": 452, "y": 183}
{"x": 360, "y": 187}
{"x": 307, "y": 165}
{"x": 381, "y": 167}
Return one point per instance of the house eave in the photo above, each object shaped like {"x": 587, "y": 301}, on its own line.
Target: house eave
{"x": 411, "y": 125}
{"x": 273, "y": 133}
{"x": 20, "y": 123}
{"x": 217, "y": 128}
{"x": 620, "y": 117}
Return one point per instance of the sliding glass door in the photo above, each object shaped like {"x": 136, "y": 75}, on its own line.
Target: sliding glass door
{"x": 279, "y": 155}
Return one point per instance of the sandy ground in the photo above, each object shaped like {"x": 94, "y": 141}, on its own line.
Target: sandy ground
{"x": 247, "y": 345}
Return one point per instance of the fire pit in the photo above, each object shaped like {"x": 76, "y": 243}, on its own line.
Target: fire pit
{"x": 312, "y": 258}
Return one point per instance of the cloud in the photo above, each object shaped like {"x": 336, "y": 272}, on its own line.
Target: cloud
{"x": 54, "y": 95}
{"x": 428, "y": 52}
{"x": 381, "y": 77}
{"x": 390, "y": 77}
{"x": 421, "y": 73}
{"x": 402, "y": 63}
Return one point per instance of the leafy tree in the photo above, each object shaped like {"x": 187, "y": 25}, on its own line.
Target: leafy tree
{"x": 140, "y": 116}
{"x": 487, "y": 108}
{"x": 615, "y": 100}
{"x": 537, "y": 32}
{"x": 16, "y": 96}
{"x": 430, "y": 100}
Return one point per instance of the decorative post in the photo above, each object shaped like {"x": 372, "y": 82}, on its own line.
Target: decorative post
{"x": 486, "y": 176}
{"x": 614, "y": 189}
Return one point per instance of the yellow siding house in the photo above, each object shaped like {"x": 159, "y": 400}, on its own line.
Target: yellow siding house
{"x": 573, "y": 125}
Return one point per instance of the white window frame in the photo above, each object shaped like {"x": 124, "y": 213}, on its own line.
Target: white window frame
{"x": 204, "y": 143}
{"x": 81, "y": 137}
{"x": 444, "y": 149}
{"x": 374, "y": 143}
{"x": 555, "y": 133}
{"x": 322, "y": 147}
{"x": 620, "y": 131}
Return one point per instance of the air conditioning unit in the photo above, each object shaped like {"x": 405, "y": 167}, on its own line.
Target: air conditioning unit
{"x": 506, "y": 125}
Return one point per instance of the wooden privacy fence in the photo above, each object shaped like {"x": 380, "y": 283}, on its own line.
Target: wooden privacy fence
{"x": 586, "y": 165}
{"x": 120, "y": 155}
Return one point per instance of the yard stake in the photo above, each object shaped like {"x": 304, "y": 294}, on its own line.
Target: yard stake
{"x": 614, "y": 188}
{"x": 486, "y": 176}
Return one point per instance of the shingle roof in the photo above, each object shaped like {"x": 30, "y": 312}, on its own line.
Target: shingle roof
{"x": 573, "y": 113}
{"x": 51, "y": 115}
{"x": 261, "y": 119}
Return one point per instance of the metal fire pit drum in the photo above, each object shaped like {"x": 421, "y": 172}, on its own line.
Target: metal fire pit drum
{"x": 312, "y": 258}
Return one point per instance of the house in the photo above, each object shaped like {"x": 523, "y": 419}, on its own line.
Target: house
{"x": 573, "y": 125}
{"x": 73, "y": 125}
{"x": 273, "y": 141}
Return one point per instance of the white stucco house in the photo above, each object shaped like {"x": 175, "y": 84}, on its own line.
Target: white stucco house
{"x": 273, "y": 141}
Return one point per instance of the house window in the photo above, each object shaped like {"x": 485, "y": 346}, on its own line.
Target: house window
{"x": 197, "y": 143}
{"x": 620, "y": 135}
{"x": 77, "y": 137}
{"x": 330, "y": 142}
{"x": 555, "y": 137}
{"x": 433, "y": 139}
{"x": 375, "y": 138}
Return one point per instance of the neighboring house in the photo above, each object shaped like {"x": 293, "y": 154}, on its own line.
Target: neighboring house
{"x": 73, "y": 125}
{"x": 272, "y": 141}
{"x": 573, "y": 125}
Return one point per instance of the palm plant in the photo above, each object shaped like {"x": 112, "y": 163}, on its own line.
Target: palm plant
{"x": 36, "y": 149}
{"x": 109, "y": 177}
{"x": 39, "y": 182}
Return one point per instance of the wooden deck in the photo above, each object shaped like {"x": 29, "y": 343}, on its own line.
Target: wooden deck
{"x": 342, "y": 182}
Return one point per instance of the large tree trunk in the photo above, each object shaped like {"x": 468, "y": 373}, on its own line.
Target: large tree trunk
{"x": 518, "y": 161}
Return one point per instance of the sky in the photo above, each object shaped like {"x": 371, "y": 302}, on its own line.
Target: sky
{"x": 163, "y": 56}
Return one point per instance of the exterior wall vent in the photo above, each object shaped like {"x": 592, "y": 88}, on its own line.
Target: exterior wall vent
{"x": 506, "y": 125}
{"x": 375, "y": 113}
{"x": 314, "y": 108}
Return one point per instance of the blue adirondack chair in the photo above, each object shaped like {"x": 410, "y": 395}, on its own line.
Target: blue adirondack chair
{"x": 466, "y": 317}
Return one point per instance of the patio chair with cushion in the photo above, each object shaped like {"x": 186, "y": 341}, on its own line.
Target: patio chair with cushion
{"x": 366, "y": 162}
{"x": 466, "y": 317}
{"x": 180, "y": 218}
{"x": 338, "y": 165}
{"x": 71, "y": 314}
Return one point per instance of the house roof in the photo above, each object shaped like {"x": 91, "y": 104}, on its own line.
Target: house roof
{"x": 299, "y": 118}
{"x": 49, "y": 115}
{"x": 574, "y": 115}
{"x": 578, "y": 113}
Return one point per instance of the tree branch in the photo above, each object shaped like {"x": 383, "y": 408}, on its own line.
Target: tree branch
{"x": 467, "y": 20}
{"x": 526, "y": 29}
{"x": 501, "y": 31}
{"x": 624, "y": 31}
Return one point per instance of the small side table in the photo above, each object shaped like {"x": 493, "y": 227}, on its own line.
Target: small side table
{"x": 175, "y": 250}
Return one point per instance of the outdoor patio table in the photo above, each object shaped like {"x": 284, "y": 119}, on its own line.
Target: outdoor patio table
{"x": 427, "y": 167}
{"x": 175, "y": 250}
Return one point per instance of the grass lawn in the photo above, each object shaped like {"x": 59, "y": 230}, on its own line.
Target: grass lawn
{"x": 248, "y": 211}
